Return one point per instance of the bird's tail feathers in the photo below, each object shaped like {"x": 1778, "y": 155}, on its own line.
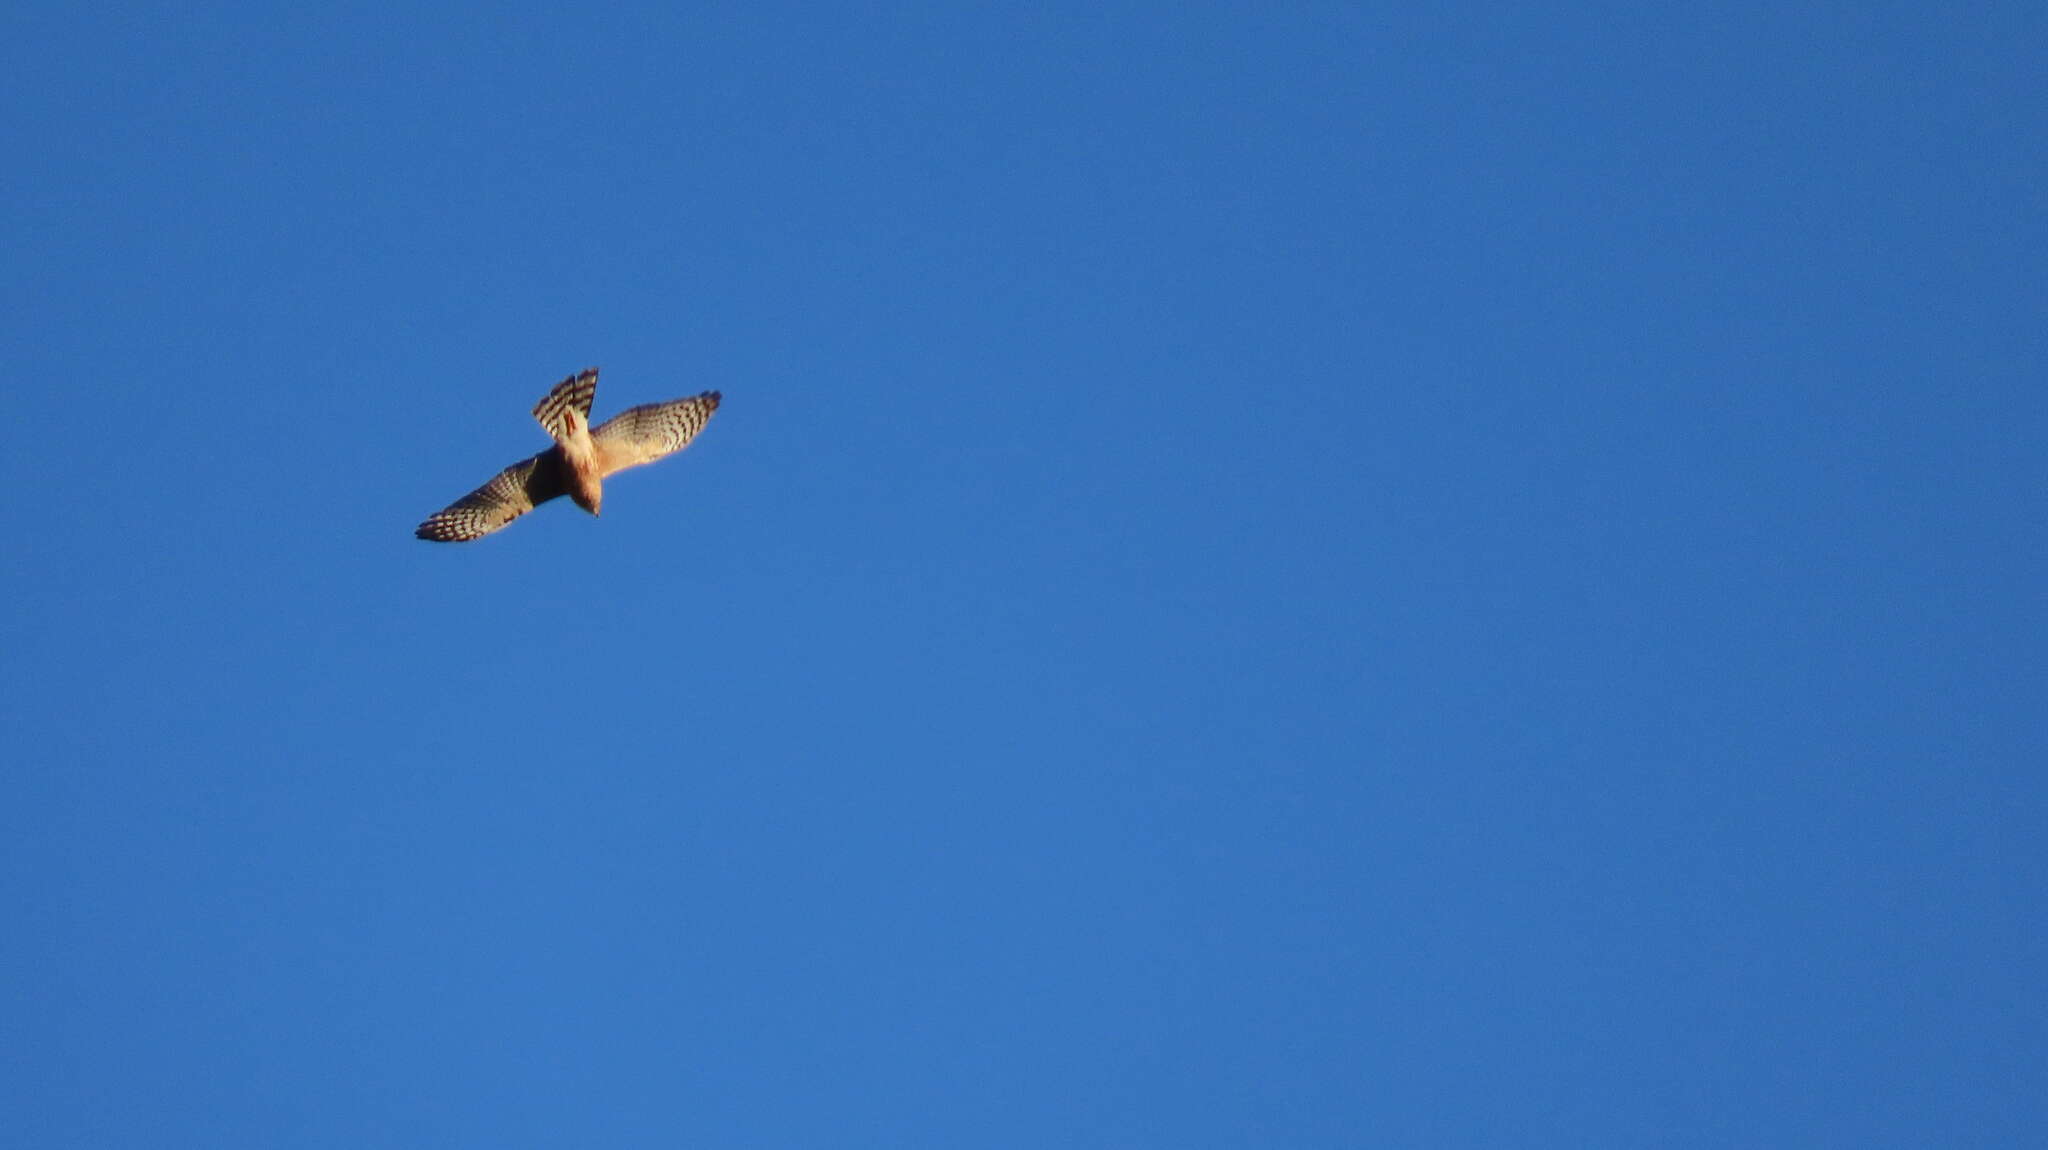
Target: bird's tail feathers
{"x": 571, "y": 395}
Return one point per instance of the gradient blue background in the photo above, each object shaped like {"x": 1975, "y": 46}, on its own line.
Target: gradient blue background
{"x": 1270, "y": 575}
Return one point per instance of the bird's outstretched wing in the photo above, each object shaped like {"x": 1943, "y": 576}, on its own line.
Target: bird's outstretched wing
{"x": 511, "y": 493}
{"x": 646, "y": 433}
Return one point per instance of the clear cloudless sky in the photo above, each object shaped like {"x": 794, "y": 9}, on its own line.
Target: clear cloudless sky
{"x": 1270, "y": 575}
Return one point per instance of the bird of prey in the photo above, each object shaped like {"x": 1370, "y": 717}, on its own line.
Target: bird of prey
{"x": 577, "y": 465}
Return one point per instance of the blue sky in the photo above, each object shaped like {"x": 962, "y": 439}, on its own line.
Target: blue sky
{"x": 1269, "y": 575}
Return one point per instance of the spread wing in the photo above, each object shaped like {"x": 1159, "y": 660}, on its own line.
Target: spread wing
{"x": 511, "y": 493}
{"x": 646, "y": 433}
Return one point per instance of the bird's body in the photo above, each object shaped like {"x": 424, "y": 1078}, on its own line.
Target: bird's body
{"x": 578, "y": 463}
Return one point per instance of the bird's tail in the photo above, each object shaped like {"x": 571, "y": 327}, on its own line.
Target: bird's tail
{"x": 572, "y": 395}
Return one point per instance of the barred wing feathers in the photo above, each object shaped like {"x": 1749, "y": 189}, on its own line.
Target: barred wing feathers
{"x": 651, "y": 431}
{"x": 511, "y": 493}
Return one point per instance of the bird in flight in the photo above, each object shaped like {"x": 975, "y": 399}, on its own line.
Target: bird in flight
{"x": 579, "y": 462}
